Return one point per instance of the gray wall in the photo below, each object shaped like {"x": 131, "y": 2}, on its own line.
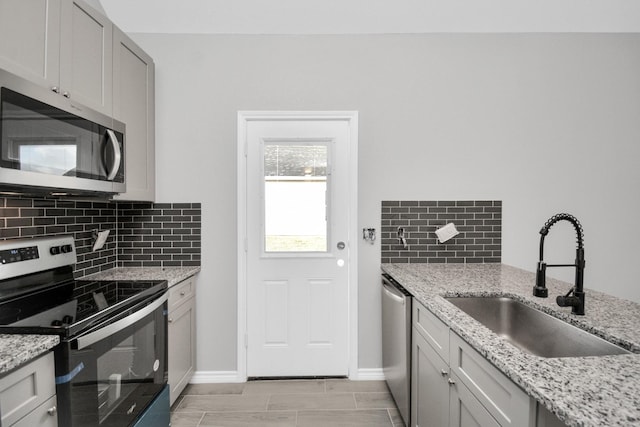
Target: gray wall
{"x": 546, "y": 123}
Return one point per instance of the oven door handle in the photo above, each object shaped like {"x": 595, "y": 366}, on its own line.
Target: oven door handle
{"x": 102, "y": 333}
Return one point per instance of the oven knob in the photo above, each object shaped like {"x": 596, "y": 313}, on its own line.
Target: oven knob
{"x": 56, "y": 323}
{"x": 67, "y": 320}
{"x": 55, "y": 250}
{"x": 66, "y": 249}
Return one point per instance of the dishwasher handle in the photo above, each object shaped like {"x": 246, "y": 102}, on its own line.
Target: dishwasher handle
{"x": 391, "y": 291}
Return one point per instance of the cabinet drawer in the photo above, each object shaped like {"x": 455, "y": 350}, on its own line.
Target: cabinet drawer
{"x": 434, "y": 330}
{"x": 181, "y": 292}
{"x": 43, "y": 416}
{"x": 25, "y": 389}
{"x": 504, "y": 400}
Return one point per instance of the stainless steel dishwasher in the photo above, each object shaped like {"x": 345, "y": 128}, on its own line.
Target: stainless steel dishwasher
{"x": 396, "y": 343}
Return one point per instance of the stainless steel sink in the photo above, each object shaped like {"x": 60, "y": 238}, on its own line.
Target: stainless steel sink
{"x": 532, "y": 330}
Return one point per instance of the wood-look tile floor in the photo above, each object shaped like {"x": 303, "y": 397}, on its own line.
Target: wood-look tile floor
{"x": 287, "y": 403}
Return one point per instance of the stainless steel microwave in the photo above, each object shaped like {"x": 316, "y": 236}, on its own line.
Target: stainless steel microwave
{"x": 51, "y": 144}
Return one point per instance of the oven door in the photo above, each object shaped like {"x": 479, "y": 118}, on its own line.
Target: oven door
{"x": 113, "y": 372}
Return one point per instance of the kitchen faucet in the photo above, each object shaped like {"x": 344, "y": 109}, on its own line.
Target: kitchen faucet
{"x": 575, "y": 301}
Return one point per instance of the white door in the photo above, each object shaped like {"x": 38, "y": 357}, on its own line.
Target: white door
{"x": 297, "y": 252}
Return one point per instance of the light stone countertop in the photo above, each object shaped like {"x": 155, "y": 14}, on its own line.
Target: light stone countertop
{"x": 173, "y": 275}
{"x": 581, "y": 391}
{"x": 16, "y": 350}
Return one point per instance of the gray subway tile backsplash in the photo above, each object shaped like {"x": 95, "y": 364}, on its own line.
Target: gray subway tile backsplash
{"x": 142, "y": 234}
{"x": 159, "y": 235}
{"x": 478, "y": 221}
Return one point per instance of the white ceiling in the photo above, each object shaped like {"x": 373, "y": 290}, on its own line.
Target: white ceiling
{"x": 372, "y": 16}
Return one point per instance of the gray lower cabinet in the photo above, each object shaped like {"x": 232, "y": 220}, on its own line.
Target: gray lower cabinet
{"x": 507, "y": 403}
{"x": 462, "y": 388}
{"x": 182, "y": 336}
{"x": 429, "y": 385}
{"x": 28, "y": 395}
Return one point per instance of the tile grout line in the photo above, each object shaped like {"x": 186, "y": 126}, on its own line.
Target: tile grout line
{"x": 201, "y": 418}
{"x": 390, "y": 419}
{"x": 268, "y": 401}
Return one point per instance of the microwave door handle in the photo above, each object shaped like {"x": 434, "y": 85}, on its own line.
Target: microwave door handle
{"x": 102, "y": 333}
{"x": 117, "y": 157}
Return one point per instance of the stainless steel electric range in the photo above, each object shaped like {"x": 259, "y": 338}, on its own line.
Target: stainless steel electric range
{"x": 111, "y": 364}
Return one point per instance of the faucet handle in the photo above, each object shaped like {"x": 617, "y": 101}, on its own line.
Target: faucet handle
{"x": 540, "y": 289}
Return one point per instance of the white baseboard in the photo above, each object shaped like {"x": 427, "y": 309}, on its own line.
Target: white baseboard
{"x": 210, "y": 377}
{"x": 373, "y": 374}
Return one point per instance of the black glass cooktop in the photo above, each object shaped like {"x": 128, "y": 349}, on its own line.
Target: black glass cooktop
{"x": 73, "y": 306}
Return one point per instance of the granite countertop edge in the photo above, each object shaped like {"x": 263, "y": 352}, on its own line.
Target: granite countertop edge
{"x": 581, "y": 391}
{"x": 16, "y": 350}
{"x": 172, "y": 275}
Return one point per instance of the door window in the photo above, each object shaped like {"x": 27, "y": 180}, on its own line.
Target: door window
{"x": 295, "y": 197}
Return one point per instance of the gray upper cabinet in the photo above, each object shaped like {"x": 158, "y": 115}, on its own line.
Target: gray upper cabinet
{"x": 134, "y": 104}
{"x": 86, "y": 56}
{"x": 30, "y": 39}
{"x": 64, "y": 45}
{"x": 74, "y": 50}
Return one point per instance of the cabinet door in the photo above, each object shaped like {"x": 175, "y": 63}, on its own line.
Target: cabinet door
{"x": 30, "y": 39}
{"x": 86, "y": 62}
{"x": 181, "y": 347}
{"x": 134, "y": 104}
{"x": 465, "y": 409}
{"x": 506, "y": 402}
{"x": 429, "y": 386}
{"x": 25, "y": 389}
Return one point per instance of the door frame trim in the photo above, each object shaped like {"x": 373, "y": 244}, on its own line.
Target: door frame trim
{"x": 244, "y": 117}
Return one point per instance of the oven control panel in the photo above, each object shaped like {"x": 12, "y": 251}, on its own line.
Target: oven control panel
{"x": 19, "y": 254}
{"x": 19, "y": 257}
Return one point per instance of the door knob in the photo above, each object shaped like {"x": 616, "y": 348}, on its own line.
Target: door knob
{"x": 341, "y": 245}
